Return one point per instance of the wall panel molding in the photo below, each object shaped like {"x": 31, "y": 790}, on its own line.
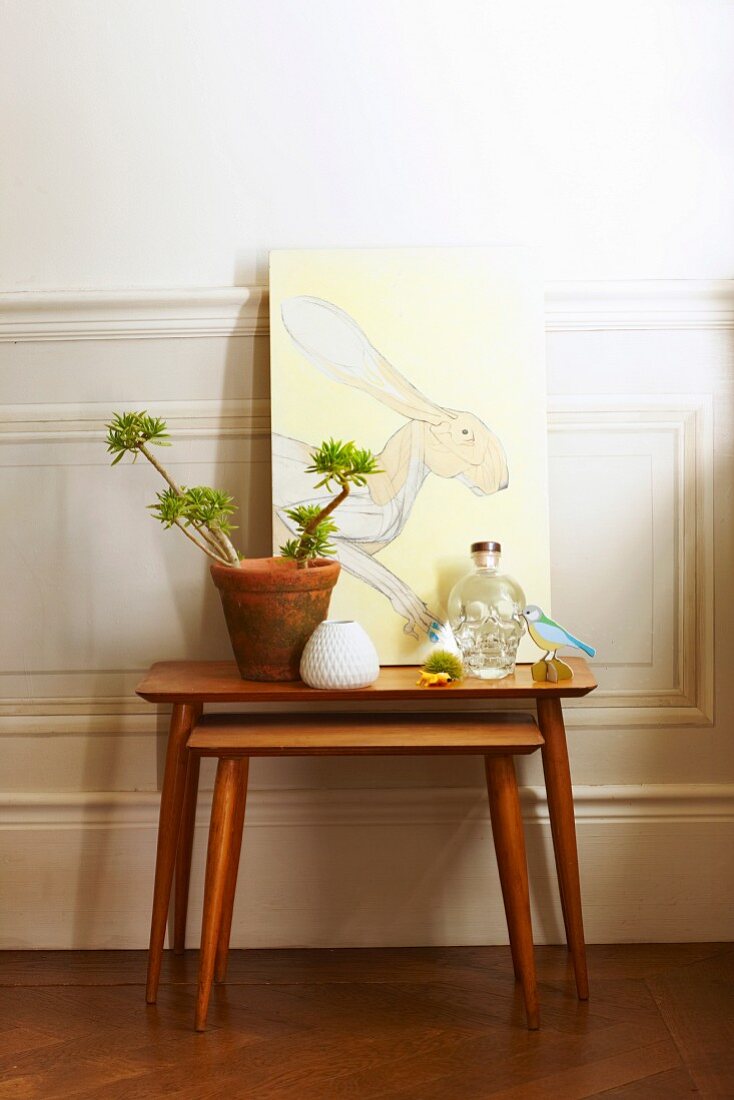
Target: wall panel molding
{"x": 403, "y": 806}
{"x": 133, "y": 314}
{"x": 82, "y": 422}
{"x": 630, "y": 305}
{"x": 689, "y": 420}
{"x": 243, "y": 311}
{"x": 686, "y": 418}
{"x": 372, "y": 867}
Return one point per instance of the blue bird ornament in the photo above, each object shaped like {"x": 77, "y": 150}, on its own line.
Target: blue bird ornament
{"x": 550, "y": 636}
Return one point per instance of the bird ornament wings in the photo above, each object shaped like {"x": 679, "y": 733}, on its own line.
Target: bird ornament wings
{"x": 553, "y": 633}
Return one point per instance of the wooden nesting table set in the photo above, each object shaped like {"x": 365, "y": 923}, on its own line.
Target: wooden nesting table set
{"x": 234, "y": 738}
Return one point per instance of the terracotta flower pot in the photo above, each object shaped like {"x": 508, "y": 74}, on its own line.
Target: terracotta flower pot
{"x": 272, "y": 607}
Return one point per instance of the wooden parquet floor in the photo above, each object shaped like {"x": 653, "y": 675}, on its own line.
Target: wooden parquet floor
{"x": 405, "y": 1024}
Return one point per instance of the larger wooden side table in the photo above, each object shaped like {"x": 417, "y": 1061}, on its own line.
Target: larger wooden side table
{"x": 190, "y": 685}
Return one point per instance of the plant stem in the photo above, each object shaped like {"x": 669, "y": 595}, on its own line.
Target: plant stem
{"x": 233, "y": 557}
{"x": 208, "y": 537}
{"x": 217, "y": 539}
{"x": 313, "y": 523}
{"x": 161, "y": 469}
{"x": 202, "y": 545}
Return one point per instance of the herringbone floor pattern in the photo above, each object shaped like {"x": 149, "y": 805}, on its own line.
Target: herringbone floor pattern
{"x": 405, "y": 1024}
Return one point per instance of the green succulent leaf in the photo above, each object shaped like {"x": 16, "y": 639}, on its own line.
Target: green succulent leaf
{"x": 169, "y": 508}
{"x": 197, "y": 507}
{"x": 302, "y": 514}
{"x": 342, "y": 462}
{"x": 127, "y": 431}
{"x": 205, "y": 507}
{"x": 309, "y": 544}
{"x": 289, "y": 549}
{"x": 338, "y": 466}
{"x": 205, "y": 510}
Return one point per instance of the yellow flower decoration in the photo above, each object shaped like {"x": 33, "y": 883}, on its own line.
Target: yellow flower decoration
{"x": 434, "y": 679}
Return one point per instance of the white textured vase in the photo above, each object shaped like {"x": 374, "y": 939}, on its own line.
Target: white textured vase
{"x": 339, "y": 654}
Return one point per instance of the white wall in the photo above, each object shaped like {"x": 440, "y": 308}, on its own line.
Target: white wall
{"x": 170, "y": 145}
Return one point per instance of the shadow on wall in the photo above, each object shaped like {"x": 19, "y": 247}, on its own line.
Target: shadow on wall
{"x": 195, "y": 620}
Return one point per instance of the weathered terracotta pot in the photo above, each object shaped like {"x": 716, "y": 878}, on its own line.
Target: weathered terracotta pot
{"x": 272, "y": 608}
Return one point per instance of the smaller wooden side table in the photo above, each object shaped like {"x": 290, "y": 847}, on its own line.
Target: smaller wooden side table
{"x": 191, "y": 685}
{"x": 233, "y": 739}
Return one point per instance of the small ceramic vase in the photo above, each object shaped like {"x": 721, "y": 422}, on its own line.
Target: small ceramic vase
{"x": 339, "y": 655}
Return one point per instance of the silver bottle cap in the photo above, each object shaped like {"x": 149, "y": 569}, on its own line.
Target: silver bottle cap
{"x": 487, "y": 547}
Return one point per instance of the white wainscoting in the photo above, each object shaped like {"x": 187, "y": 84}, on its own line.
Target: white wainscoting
{"x": 655, "y": 450}
{"x": 642, "y": 468}
{"x": 640, "y": 391}
{"x": 365, "y": 867}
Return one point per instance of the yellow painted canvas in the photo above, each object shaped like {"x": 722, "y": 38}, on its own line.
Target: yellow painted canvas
{"x": 432, "y": 358}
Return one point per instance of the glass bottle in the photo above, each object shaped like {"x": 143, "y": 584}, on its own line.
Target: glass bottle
{"x": 484, "y": 612}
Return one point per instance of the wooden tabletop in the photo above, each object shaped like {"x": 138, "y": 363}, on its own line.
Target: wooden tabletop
{"x": 220, "y": 682}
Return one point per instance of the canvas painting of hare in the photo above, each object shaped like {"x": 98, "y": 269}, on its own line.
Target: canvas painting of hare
{"x": 432, "y": 358}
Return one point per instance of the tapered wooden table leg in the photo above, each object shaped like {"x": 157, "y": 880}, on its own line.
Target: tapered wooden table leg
{"x": 228, "y": 790}
{"x": 516, "y": 964}
{"x": 220, "y": 968}
{"x": 183, "y": 853}
{"x": 563, "y": 829}
{"x": 183, "y": 717}
{"x": 509, "y": 844}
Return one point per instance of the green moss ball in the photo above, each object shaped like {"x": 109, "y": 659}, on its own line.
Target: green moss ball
{"x": 443, "y": 661}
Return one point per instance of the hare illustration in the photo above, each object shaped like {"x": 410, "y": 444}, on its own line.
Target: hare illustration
{"x": 434, "y": 439}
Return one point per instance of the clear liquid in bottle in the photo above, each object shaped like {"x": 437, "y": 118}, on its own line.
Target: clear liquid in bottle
{"x": 484, "y": 612}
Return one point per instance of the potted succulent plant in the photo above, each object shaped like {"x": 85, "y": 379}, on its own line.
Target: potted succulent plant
{"x": 271, "y": 605}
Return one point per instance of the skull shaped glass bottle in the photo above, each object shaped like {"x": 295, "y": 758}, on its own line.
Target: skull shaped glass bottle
{"x": 484, "y": 612}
